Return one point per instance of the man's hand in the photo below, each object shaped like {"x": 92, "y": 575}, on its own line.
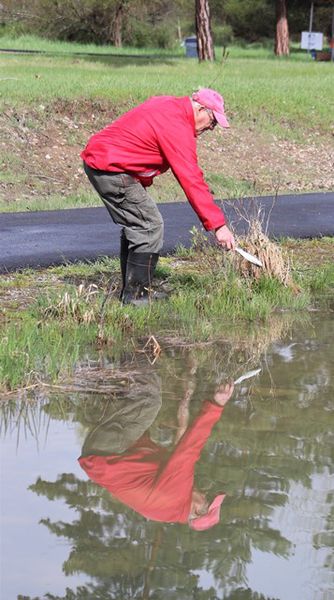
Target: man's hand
{"x": 225, "y": 237}
{"x": 223, "y": 394}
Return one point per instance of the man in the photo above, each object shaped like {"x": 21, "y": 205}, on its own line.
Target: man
{"x": 121, "y": 162}
{"x": 147, "y": 477}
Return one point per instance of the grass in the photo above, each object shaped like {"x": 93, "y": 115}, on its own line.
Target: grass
{"x": 29, "y": 350}
{"x": 165, "y": 190}
{"x": 45, "y": 337}
{"x": 51, "y": 202}
{"x": 48, "y": 100}
{"x": 258, "y": 88}
{"x": 233, "y": 188}
{"x": 33, "y": 42}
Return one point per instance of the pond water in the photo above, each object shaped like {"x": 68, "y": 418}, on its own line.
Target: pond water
{"x": 116, "y": 525}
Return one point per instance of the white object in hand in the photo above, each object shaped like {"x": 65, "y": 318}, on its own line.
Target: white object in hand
{"x": 247, "y": 375}
{"x": 249, "y": 257}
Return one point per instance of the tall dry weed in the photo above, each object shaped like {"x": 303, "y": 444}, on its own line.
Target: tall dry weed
{"x": 275, "y": 260}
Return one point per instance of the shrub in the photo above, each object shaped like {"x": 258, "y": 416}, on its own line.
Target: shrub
{"x": 222, "y": 35}
{"x": 141, "y": 34}
{"x": 163, "y": 37}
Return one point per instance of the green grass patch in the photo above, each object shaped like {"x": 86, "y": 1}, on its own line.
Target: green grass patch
{"x": 52, "y": 202}
{"x": 29, "y": 350}
{"x": 35, "y": 43}
{"x": 68, "y": 318}
{"x": 260, "y": 89}
{"x": 11, "y": 177}
{"x": 320, "y": 280}
{"x": 227, "y": 187}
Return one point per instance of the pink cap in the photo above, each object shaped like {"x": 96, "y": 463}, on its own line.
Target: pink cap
{"x": 211, "y": 99}
{"x": 211, "y": 518}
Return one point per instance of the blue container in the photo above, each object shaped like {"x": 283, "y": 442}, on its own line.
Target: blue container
{"x": 191, "y": 47}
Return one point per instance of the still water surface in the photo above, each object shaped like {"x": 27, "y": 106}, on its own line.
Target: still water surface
{"x": 158, "y": 436}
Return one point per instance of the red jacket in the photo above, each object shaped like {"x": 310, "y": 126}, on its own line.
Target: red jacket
{"x": 151, "y": 138}
{"x": 150, "y": 480}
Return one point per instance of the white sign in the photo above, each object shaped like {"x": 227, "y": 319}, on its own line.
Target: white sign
{"x": 311, "y": 40}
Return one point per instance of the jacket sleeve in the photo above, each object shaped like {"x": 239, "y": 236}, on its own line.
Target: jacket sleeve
{"x": 178, "y": 146}
{"x": 181, "y": 463}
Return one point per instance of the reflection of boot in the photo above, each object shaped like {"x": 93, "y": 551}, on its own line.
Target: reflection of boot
{"x": 124, "y": 253}
{"x": 138, "y": 280}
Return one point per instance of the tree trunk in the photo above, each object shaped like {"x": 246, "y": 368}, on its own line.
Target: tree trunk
{"x": 282, "y": 29}
{"x": 117, "y": 25}
{"x": 203, "y": 31}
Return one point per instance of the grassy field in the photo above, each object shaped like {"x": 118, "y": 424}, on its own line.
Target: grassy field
{"x": 280, "y": 111}
{"x": 295, "y": 91}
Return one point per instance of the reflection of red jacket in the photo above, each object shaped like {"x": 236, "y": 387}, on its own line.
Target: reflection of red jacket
{"x": 151, "y": 138}
{"x": 148, "y": 478}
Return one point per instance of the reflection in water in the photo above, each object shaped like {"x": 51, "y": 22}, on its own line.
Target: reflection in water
{"x": 271, "y": 453}
{"x": 120, "y": 455}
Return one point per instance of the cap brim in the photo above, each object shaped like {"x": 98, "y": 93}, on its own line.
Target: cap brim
{"x": 211, "y": 518}
{"x": 221, "y": 119}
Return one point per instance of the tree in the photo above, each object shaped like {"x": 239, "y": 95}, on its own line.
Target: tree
{"x": 251, "y": 20}
{"x": 203, "y": 30}
{"x": 282, "y": 29}
{"x": 118, "y": 24}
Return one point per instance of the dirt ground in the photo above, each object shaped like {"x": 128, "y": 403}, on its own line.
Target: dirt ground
{"x": 40, "y": 155}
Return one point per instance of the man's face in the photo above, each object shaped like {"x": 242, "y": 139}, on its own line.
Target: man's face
{"x": 199, "y": 504}
{"x": 204, "y": 120}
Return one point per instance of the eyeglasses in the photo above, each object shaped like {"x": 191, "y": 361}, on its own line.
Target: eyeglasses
{"x": 213, "y": 121}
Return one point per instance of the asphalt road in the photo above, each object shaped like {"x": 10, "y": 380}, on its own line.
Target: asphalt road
{"x": 40, "y": 239}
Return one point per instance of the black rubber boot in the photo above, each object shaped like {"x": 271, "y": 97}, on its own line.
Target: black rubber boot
{"x": 123, "y": 256}
{"x": 138, "y": 280}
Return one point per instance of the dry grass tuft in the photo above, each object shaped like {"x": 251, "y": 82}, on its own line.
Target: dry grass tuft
{"x": 275, "y": 261}
{"x": 74, "y": 306}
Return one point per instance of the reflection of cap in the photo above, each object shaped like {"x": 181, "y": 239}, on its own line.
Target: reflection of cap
{"x": 211, "y": 518}
{"x": 211, "y": 99}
